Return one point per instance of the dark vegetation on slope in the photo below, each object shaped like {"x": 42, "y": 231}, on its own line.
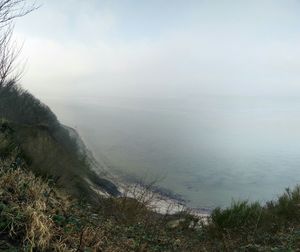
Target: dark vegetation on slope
{"x": 46, "y": 145}
{"x": 36, "y": 216}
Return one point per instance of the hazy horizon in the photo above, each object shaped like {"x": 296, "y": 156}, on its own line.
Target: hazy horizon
{"x": 161, "y": 48}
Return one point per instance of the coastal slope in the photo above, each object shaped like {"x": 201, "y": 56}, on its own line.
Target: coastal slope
{"x": 48, "y": 148}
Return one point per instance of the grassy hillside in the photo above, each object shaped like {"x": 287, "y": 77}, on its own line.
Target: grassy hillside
{"x": 36, "y": 215}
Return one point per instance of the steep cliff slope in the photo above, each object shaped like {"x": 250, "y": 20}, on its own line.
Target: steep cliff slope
{"x": 49, "y": 149}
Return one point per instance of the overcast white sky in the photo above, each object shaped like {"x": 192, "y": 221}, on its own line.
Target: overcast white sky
{"x": 162, "y": 48}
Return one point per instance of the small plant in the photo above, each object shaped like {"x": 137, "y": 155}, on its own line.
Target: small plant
{"x": 239, "y": 215}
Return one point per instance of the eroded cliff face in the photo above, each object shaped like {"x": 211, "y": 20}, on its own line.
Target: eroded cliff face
{"x": 55, "y": 156}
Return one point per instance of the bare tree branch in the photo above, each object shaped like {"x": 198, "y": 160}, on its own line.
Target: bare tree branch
{"x": 9, "y": 51}
{"x": 12, "y": 9}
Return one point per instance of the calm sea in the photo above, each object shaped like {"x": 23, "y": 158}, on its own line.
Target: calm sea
{"x": 209, "y": 150}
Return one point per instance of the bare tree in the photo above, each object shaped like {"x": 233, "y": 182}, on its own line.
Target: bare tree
{"x": 9, "y": 11}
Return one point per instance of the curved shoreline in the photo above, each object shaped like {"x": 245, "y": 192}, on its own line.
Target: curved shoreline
{"x": 161, "y": 200}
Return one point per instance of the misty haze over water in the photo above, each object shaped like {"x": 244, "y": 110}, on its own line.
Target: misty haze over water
{"x": 210, "y": 150}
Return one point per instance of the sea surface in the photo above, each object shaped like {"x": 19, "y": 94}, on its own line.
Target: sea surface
{"x": 210, "y": 150}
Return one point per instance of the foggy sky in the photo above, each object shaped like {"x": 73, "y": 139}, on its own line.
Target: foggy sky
{"x": 161, "y": 48}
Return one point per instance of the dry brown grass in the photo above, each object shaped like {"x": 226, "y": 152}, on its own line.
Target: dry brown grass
{"x": 36, "y": 216}
{"x": 30, "y": 205}
{"x": 21, "y": 192}
{"x": 39, "y": 217}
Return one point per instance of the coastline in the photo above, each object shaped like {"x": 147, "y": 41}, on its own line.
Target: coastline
{"x": 160, "y": 203}
{"x": 160, "y": 200}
